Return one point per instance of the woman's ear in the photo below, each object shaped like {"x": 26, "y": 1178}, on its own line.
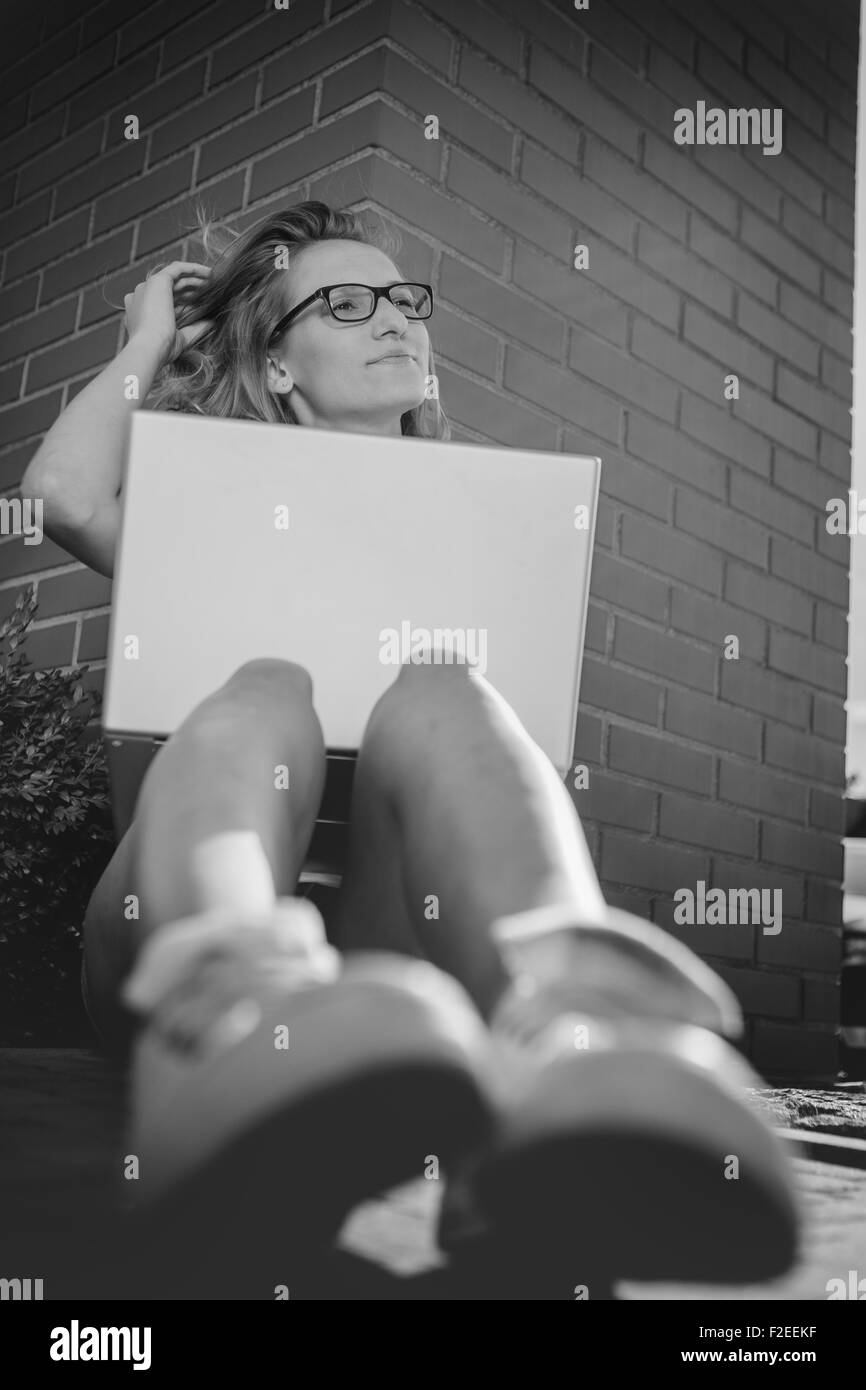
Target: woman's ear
{"x": 280, "y": 379}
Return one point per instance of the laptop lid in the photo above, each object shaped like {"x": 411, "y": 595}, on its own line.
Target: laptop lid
{"x": 350, "y": 554}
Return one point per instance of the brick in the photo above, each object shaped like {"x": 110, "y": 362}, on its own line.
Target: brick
{"x": 255, "y": 134}
{"x": 635, "y": 189}
{"x": 85, "y": 266}
{"x": 627, "y": 587}
{"x": 93, "y": 349}
{"x": 516, "y": 104}
{"x": 459, "y": 228}
{"x": 784, "y": 340}
{"x": 804, "y": 754}
{"x": 838, "y": 375}
{"x": 622, "y": 375}
{"x": 795, "y": 1052}
{"x": 708, "y": 620}
{"x": 106, "y": 173}
{"x": 665, "y": 550}
{"x": 642, "y": 100}
{"x": 123, "y": 84}
{"x": 730, "y": 941}
{"x": 670, "y": 451}
{"x": 230, "y": 101}
{"x": 459, "y": 119}
{"x": 835, "y": 455}
{"x": 13, "y": 462}
{"x": 827, "y": 810}
{"x": 842, "y": 60}
{"x": 818, "y": 158}
{"x": 587, "y": 747}
{"x": 27, "y": 418}
{"x": 821, "y": 1001}
{"x": 48, "y": 647}
{"x": 619, "y": 692}
{"x": 832, "y": 330}
{"x": 462, "y": 341}
{"x": 803, "y": 479}
{"x": 591, "y": 209}
{"x": 563, "y": 36}
{"x": 756, "y": 789}
{"x": 831, "y": 627}
{"x": 158, "y": 20}
{"x": 624, "y": 480}
{"x": 338, "y": 40}
{"x": 801, "y": 849}
{"x": 757, "y": 689}
{"x": 754, "y": 497}
{"x": 72, "y": 76}
{"x": 164, "y": 99}
{"x": 840, "y": 217}
{"x": 73, "y": 593}
{"x": 44, "y": 327}
{"x": 804, "y": 946}
{"x": 655, "y": 19}
{"x": 679, "y": 266}
{"x": 712, "y": 722}
{"x": 614, "y": 32}
{"x": 716, "y": 524}
{"x": 730, "y": 349}
{"x": 689, "y": 369}
{"x": 630, "y": 282}
{"x": 500, "y": 40}
{"x": 711, "y": 23}
{"x": 69, "y": 153}
{"x": 166, "y": 224}
{"x": 145, "y": 193}
{"x": 615, "y": 801}
{"x": 505, "y": 202}
{"x": 734, "y": 873}
{"x": 493, "y": 414}
{"x": 23, "y": 220}
{"x": 662, "y": 654}
{"x": 829, "y": 719}
{"x": 46, "y": 246}
{"x": 824, "y": 244}
{"x": 629, "y": 861}
{"x": 764, "y": 991}
{"x": 569, "y": 293}
{"x": 659, "y": 759}
{"x": 10, "y": 383}
{"x": 246, "y": 49}
{"x": 824, "y": 902}
{"x": 808, "y": 662}
{"x": 720, "y": 431}
{"x": 584, "y": 103}
{"x": 19, "y": 299}
{"x": 691, "y": 821}
{"x": 729, "y": 256}
{"x": 559, "y": 392}
{"x": 814, "y": 403}
{"x": 786, "y": 91}
{"x": 498, "y": 306}
{"x": 47, "y": 58}
{"x": 667, "y": 163}
{"x": 94, "y": 639}
{"x": 100, "y": 302}
{"x": 808, "y": 571}
{"x": 595, "y": 639}
{"x": 106, "y": 20}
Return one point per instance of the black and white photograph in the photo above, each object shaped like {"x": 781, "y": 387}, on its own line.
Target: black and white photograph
{"x": 433, "y": 666}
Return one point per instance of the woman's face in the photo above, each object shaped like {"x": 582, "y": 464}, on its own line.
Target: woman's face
{"x": 327, "y": 369}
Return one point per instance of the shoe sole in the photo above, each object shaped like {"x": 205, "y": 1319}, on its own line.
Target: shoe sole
{"x": 254, "y": 1213}
{"x": 617, "y": 1166}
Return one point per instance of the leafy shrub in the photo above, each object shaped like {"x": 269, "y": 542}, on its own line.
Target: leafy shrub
{"x": 56, "y": 836}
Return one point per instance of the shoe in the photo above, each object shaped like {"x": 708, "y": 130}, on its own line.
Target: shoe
{"x": 626, "y": 1147}
{"x": 276, "y": 1084}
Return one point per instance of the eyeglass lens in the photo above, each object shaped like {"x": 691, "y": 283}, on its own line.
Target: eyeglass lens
{"x": 356, "y": 301}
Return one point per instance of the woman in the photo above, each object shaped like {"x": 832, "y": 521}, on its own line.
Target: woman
{"x": 567, "y": 1059}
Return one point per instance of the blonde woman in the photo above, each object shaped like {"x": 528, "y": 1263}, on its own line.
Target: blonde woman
{"x": 564, "y": 1060}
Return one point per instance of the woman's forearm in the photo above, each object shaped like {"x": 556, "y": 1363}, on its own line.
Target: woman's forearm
{"x": 81, "y": 456}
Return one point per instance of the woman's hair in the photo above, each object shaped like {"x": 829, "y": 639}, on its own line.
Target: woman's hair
{"x": 224, "y": 371}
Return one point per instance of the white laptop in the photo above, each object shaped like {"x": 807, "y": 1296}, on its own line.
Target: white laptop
{"x": 351, "y": 554}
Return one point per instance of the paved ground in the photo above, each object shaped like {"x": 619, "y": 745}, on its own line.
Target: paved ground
{"x": 62, "y": 1115}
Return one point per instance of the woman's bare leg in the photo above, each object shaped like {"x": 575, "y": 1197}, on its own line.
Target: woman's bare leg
{"x": 216, "y": 774}
{"x": 453, "y": 804}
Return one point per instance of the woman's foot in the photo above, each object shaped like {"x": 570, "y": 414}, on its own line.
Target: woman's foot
{"x": 626, "y": 1146}
{"x": 276, "y": 1085}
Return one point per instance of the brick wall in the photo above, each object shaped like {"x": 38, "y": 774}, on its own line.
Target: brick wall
{"x": 556, "y": 127}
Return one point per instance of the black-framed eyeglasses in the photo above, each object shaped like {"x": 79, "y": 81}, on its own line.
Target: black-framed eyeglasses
{"x": 357, "y": 303}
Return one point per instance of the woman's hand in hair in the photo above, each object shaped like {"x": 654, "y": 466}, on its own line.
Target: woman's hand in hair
{"x": 152, "y": 307}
